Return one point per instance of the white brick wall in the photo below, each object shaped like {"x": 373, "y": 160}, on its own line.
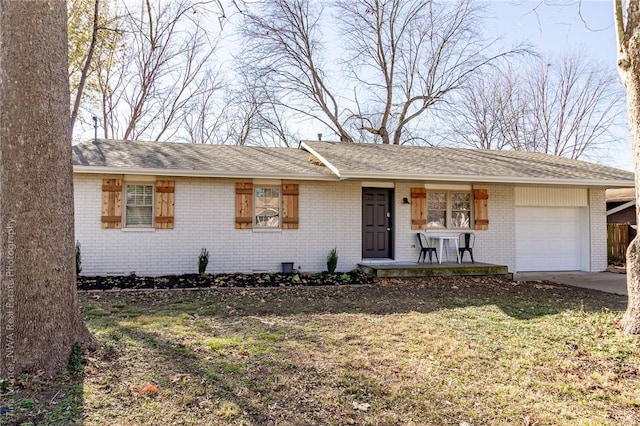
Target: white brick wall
{"x": 598, "y": 222}
{"x": 330, "y": 216}
{"x": 204, "y": 217}
{"x": 498, "y": 244}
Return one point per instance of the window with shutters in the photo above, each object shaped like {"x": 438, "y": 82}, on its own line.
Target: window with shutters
{"x": 448, "y": 209}
{"x": 138, "y": 212}
{"x": 267, "y": 207}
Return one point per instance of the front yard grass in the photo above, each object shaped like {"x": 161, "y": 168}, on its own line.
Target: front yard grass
{"x": 400, "y": 352}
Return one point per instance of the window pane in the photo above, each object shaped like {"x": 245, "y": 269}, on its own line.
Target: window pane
{"x": 460, "y": 209}
{"x": 139, "y": 206}
{"x": 267, "y": 210}
{"x": 436, "y": 209}
{"x": 437, "y": 201}
{"x": 460, "y": 201}
{"x": 460, "y": 220}
{"x": 139, "y": 216}
{"x": 436, "y": 219}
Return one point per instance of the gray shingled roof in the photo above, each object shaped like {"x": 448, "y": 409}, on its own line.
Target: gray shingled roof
{"x": 183, "y": 159}
{"x": 344, "y": 161}
{"x": 462, "y": 165}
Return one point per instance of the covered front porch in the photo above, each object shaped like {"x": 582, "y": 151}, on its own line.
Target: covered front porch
{"x": 390, "y": 268}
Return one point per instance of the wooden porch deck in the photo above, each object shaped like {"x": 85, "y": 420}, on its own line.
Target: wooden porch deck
{"x": 426, "y": 269}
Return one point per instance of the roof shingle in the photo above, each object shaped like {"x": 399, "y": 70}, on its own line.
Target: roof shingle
{"x": 343, "y": 161}
{"x": 436, "y": 163}
{"x": 195, "y": 160}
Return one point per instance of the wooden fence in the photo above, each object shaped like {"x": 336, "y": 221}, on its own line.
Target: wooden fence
{"x": 617, "y": 242}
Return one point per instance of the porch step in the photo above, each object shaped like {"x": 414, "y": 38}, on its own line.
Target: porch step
{"x": 432, "y": 269}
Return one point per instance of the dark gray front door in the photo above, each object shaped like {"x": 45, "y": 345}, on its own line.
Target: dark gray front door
{"x": 376, "y": 223}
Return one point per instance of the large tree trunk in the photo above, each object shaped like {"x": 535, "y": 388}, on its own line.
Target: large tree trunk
{"x": 630, "y": 322}
{"x": 40, "y": 320}
{"x": 628, "y": 34}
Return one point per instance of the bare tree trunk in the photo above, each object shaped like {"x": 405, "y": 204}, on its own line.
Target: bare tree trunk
{"x": 40, "y": 319}
{"x": 630, "y": 322}
{"x": 628, "y": 36}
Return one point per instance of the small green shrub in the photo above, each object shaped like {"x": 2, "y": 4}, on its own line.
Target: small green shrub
{"x": 332, "y": 260}
{"x": 78, "y": 259}
{"x": 203, "y": 261}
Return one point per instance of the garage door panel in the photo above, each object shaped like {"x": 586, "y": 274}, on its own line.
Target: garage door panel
{"x": 548, "y": 239}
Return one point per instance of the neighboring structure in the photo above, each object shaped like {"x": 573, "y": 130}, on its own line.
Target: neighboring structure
{"x": 621, "y": 222}
{"x": 149, "y": 207}
{"x": 621, "y": 205}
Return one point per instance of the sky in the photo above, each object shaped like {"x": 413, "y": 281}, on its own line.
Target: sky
{"x": 556, "y": 25}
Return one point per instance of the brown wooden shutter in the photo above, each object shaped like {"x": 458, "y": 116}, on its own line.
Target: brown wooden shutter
{"x": 290, "y": 213}
{"x": 165, "y": 200}
{"x": 111, "y": 203}
{"x": 481, "y": 212}
{"x": 244, "y": 205}
{"x": 418, "y": 208}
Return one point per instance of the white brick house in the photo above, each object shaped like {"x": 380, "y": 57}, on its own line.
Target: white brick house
{"x": 149, "y": 208}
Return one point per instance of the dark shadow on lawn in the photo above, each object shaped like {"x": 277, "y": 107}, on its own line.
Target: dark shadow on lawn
{"x": 37, "y": 400}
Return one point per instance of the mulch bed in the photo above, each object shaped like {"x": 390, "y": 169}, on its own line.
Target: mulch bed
{"x": 222, "y": 281}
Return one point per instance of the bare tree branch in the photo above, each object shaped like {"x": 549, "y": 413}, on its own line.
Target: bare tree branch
{"x": 282, "y": 41}
{"x": 562, "y": 106}
{"x": 87, "y": 64}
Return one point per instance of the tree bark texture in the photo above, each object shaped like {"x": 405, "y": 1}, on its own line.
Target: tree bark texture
{"x": 628, "y": 33}
{"x": 39, "y": 315}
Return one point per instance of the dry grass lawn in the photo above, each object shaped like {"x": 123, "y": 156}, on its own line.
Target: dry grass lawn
{"x": 401, "y": 352}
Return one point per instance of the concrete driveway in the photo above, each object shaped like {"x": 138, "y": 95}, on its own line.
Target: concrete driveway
{"x": 610, "y": 282}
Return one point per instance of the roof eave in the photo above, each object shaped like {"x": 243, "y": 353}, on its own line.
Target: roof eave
{"x": 197, "y": 173}
{"x": 604, "y": 183}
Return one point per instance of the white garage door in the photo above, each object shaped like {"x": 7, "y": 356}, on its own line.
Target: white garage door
{"x": 549, "y": 238}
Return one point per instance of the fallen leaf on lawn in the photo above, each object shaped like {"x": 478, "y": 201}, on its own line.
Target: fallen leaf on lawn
{"x": 362, "y": 406}
{"x": 148, "y": 390}
{"x": 244, "y": 352}
{"x": 180, "y": 377}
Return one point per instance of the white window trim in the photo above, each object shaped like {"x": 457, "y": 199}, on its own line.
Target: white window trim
{"x": 449, "y": 207}
{"x": 153, "y": 206}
